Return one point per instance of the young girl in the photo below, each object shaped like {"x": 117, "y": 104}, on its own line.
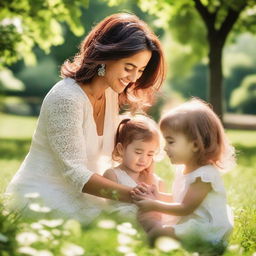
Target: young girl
{"x": 194, "y": 138}
{"x": 136, "y": 143}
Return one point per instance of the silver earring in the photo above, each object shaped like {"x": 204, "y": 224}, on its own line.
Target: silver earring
{"x": 102, "y": 70}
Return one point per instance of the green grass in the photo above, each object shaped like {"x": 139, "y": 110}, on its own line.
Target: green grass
{"x": 15, "y": 138}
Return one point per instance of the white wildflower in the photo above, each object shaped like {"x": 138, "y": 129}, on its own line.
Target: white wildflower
{"x": 38, "y": 208}
{"x": 27, "y": 250}
{"x": 36, "y": 225}
{"x": 32, "y": 195}
{"x": 131, "y": 254}
{"x": 124, "y": 239}
{"x": 106, "y": 224}
{"x": 70, "y": 249}
{"x": 55, "y": 242}
{"x": 44, "y": 253}
{"x": 233, "y": 247}
{"x": 127, "y": 228}
{"x": 45, "y": 233}
{"x": 27, "y": 238}
{"x": 124, "y": 249}
{"x": 167, "y": 244}
{"x": 52, "y": 223}
{"x": 56, "y": 232}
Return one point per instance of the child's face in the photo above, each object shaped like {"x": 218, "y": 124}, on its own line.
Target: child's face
{"x": 179, "y": 149}
{"x": 139, "y": 154}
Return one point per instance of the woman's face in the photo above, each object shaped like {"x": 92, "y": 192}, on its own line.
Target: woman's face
{"x": 119, "y": 73}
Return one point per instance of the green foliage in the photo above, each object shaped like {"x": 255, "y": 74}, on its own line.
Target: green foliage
{"x": 243, "y": 98}
{"x": 8, "y": 231}
{"x": 217, "y": 19}
{"x": 239, "y": 62}
{"x": 39, "y": 79}
{"x": 8, "y": 43}
{"x": 187, "y": 26}
{"x": 25, "y": 24}
{"x": 194, "y": 84}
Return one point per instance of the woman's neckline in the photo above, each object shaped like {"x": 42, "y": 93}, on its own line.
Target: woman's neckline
{"x": 88, "y": 99}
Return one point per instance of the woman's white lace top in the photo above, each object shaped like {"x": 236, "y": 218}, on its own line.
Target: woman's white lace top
{"x": 65, "y": 151}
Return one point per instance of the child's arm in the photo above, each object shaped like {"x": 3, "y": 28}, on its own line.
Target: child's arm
{"x": 166, "y": 197}
{"x": 161, "y": 194}
{"x": 193, "y": 198}
{"x": 110, "y": 174}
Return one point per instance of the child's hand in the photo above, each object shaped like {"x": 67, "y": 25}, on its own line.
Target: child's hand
{"x": 145, "y": 191}
{"x": 141, "y": 189}
{"x": 145, "y": 204}
{"x": 147, "y": 175}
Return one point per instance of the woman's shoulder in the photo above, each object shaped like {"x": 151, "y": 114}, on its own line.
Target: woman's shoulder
{"x": 66, "y": 88}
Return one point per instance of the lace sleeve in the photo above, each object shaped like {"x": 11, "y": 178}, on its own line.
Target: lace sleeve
{"x": 64, "y": 117}
{"x": 208, "y": 175}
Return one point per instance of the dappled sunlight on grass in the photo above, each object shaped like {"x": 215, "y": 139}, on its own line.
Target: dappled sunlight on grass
{"x": 14, "y": 148}
{"x": 19, "y": 127}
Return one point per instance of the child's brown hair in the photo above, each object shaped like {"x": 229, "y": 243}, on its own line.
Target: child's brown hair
{"x": 134, "y": 129}
{"x": 198, "y": 122}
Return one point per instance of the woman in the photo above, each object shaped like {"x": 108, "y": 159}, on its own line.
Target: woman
{"x": 120, "y": 63}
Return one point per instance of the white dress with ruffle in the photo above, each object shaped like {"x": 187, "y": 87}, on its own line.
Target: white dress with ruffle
{"x": 212, "y": 221}
{"x": 65, "y": 152}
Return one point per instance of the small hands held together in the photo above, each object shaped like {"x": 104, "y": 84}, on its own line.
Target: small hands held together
{"x": 144, "y": 196}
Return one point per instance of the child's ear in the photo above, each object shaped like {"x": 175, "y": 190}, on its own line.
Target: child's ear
{"x": 120, "y": 149}
{"x": 195, "y": 147}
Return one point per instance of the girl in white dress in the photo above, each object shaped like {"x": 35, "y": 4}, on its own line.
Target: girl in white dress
{"x": 136, "y": 143}
{"x": 120, "y": 63}
{"x": 194, "y": 138}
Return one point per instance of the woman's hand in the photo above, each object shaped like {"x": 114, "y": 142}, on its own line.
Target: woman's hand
{"x": 141, "y": 189}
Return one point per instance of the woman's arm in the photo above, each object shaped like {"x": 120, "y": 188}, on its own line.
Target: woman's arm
{"x": 64, "y": 122}
{"x": 100, "y": 186}
{"x": 193, "y": 198}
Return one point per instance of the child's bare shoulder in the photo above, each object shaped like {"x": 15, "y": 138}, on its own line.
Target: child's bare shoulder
{"x": 110, "y": 174}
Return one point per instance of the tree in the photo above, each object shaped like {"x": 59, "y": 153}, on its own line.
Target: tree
{"x": 219, "y": 18}
{"x": 25, "y": 24}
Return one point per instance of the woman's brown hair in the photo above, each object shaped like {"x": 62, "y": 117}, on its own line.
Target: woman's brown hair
{"x": 120, "y": 36}
{"x": 198, "y": 122}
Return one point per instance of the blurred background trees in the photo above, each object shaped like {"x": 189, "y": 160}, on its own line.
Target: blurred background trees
{"x": 36, "y": 37}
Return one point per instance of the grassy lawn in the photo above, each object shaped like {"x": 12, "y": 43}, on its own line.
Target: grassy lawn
{"x": 15, "y": 138}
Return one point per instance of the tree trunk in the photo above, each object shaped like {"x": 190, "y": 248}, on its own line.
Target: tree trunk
{"x": 215, "y": 91}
